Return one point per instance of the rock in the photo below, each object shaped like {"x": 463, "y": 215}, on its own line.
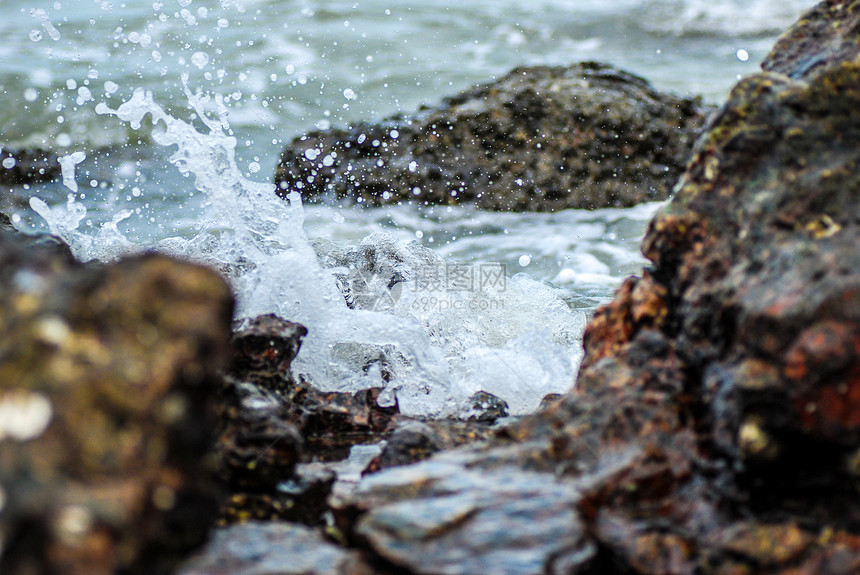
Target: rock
{"x": 107, "y": 378}
{"x": 487, "y": 408}
{"x": 328, "y": 422}
{"x": 270, "y": 423}
{"x": 19, "y": 167}
{"x": 256, "y": 548}
{"x": 299, "y": 499}
{"x": 437, "y": 517}
{"x": 258, "y": 446}
{"x": 825, "y": 34}
{"x": 541, "y": 138}
{"x": 6, "y": 223}
{"x": 414, "y": 440}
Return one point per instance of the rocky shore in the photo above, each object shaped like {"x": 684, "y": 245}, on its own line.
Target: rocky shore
{"x": 714, "y": 428}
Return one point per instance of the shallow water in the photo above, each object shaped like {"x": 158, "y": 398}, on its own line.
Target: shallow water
{"x": 170, "y": 116}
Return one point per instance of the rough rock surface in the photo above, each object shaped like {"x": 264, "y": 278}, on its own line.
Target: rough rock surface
{"x": 107, "y": 374}
{"x": 19, "y": 167}
{"x": 542, "y": 139}
{"x": 256, "y": 548}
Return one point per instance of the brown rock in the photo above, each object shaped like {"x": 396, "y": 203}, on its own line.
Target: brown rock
{"x": 106, "y": 385}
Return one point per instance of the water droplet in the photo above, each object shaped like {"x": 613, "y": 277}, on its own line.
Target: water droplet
{"x": 254, "y": 167}
{"x": 743, "y": 55}
{"x": 200, "y": 59}
{"x": 9, "y": 163}
{"x": 349, "y": 94}
{"x": 525, "y": 260}
{"x": 35, "y": 35}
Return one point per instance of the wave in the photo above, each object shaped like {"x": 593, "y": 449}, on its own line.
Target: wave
{"x": 734, "y": 18}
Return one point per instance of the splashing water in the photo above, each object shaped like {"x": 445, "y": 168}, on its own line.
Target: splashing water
{"x": 383, "y": 313}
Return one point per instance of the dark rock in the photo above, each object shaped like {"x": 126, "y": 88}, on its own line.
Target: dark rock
{"x": 107, "y": 376}
{"x": 19, "y": 167}
{"x": 257, "y": 444}
{"x": 542, "y": 138}
{"x": 256, "y": 548}
{"x": 486, "y": 407}
{"x": 6, "y": 223}
{"x": 414, "y": 440}
{"x": 548, "y": 400}
{"x": 825, "y": 34}
{"x": 270, "y": 423}
{"x": 267, "y": 347}
{"x": 439, "y": 517}
{"x": 300, "y": 499}
{"x": 261, "y": 383}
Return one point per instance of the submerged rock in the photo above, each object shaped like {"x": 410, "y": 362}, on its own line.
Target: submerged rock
{"x": 542, "y": 138}
{"x": 19, "y": 167}
{"x": 107, "y": 376}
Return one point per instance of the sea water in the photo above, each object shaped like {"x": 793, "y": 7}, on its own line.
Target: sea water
{"x": 168, "y": 117}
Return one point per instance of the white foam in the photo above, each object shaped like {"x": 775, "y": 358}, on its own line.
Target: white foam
{"x": 729, "y": 17}
{"x": 430, "y": 345}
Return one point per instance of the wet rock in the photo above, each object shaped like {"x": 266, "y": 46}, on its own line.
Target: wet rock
{"x": 270, "y": 423}
{"x": 19, "y": 167}
{"x": 6, "y": 223}
{"x": 413, "y": 440}
{"x": 299, "y": 499}
{"x": 256, "y": 548}
{"x": 486, "y": 407}
{"x": 106, "y": 384}
{"x": 257, "y": 444}
{"x": 329, "y": 423}
{"x": 825, "y": 34}
{"x": 542, "y": 138}
{"x": 437, "y": 517}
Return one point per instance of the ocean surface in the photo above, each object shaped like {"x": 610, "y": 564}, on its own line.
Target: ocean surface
{"x": 169, "y": 116}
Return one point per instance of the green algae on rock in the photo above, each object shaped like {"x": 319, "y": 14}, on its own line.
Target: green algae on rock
{"x": 107, "y": 375}
{"x": 542, "y": 139}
